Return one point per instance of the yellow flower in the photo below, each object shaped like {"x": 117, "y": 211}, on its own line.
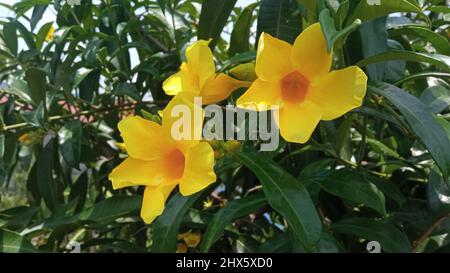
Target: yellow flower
{"x": 25, "y": 139}
{"x": 297, "y": 80}
{"x": 198, "y": 76}
{"x": 50, "y": 34}
{"x": 191, "y": 239}
{"x": 181, "y": 248}
{"x": 208, "y": 203}
{"x": 159, "y": 162}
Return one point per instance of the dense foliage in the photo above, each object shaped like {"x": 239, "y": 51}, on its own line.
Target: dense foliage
{"x": 379, "y": 173}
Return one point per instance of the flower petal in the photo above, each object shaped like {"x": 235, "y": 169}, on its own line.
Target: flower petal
{"x": 199, "y": 169}
{"x": 173, "y": 84}
{"x": 298, "y": 121}
{"x": 260, "y": 96}
{"x": 154, "y": 201}
{"x": 200, "y": 60}
{"x": 182, "y": 108}
{"x": 143, "y": 139}
{"x": 219, "y": 87}
{"x": 135, "y": 172}
{"x": 272, "y": 58}
{"x": 339, "y": 92}
{"x": 309, "y": 54}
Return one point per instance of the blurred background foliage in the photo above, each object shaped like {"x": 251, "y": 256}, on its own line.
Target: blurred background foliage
{"x": 378, "y": 173}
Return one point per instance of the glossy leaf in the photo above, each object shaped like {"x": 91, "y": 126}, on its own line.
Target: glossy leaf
{"x": 390, "y": 238}
{"x": 421, "y": 122}
{"x": 286, "y": 195}
{"x": 233, "y": 210}
{"x": 279, "y": 18}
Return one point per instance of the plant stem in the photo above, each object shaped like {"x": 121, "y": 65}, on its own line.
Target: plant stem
{"x": 122, "y": 107}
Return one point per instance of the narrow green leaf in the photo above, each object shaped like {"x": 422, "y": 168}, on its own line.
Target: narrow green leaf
{"x": 70, "y": 137}
{"x": 213, "y": 18}
{"x": 329, "y": 29}
{"x": 37, "y": 84}
{"x": 351, "y": 185}
{"x": 440, "y": 61}
{"x": 36, "y": 16}
{"x": 44, "y": 172}
{"x": 12, "y": 242}
{"x": 42, "y": 34}
{"x": 111, "y": 208}
{"x": 240, "y": 36}
{"x": 35, "y": 117}
{"x": 367, "y": 10}
{"x": 439, "y": 42}
{"x": 437, "y": 98}
{"x": 279, "y": 18}
{"x": 287, "y": 196}
{"x": 421, "y": 122}
{"x": 166, "y": 226}
{"x": 233, "y": 210}
{"x": 390, "y": 238}
{"x": 10, "y": 37}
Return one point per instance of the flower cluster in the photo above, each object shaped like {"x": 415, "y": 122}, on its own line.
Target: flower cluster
{"x": 292, "y": 79}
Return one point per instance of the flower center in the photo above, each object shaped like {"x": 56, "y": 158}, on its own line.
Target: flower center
{"x": 294, "y": 87}
{"x": 174, "y": 163}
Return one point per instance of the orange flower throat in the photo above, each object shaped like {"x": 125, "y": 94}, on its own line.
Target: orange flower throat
{"x": 294, "y": 87}
{"x": 174, "y": 163}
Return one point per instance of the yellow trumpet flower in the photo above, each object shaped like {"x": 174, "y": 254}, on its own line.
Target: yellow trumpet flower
{"x": 159, "y": 162}
{"x": 198, "y": 76}
{"x": 50, "y": 34}
{"x": 296, "y": 80}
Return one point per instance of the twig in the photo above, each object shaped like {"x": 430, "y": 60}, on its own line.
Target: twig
{"x": 126, "y": 106}
{"x": 427, "y": 233}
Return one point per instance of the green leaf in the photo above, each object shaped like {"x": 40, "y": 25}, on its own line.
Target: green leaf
{"x": 26, "y": 35}
{"x": 389, "y": 188}
{"x": 439, "y": 42}
{"x": 329, "y": 29}
{"x": 111, "y": 208}
{"x": 279, "y": 244}
{"x": 366, "y": 11}
{"x": 44, "y": 172}
{"x": 351, "y": 185}
{"x": 233, "y": 210}
{"x": 166, "y": 226}
{"x": 89, "y": 84}
{"x": 342, "y": 141}
{"x": 127, "y": 89}
{"x": 438, "y": 194}
{"x": 37, "y": 84}
{"x": 440, "y": 61}
{"x": 42, "y": 34}
{"x": 10, "y": 37}
{"x": 374, "y": 41}
{"x": 70, "y": 136}
{"x": 437, "y": 98}
{"x": 238, "y": 59}
{"x": 20, "y": 89}
{"x": 12, "y": 242}
{"x": 38, "y": 12}
{"x": 279, "y": 18}
{"x": 35, "y": 117}
{"x": 240, "y": 36}
{"x": 287, "y": 196}
{"x": 213, "y": 18}
{"x": 421, "y": 122}
{"x": 390, "y": 238}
